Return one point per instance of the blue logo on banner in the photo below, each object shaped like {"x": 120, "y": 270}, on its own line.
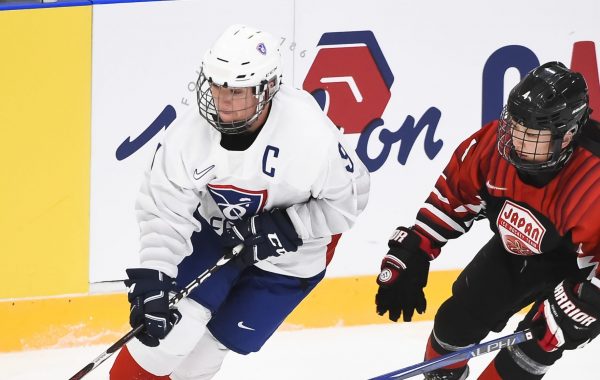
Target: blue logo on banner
{"x": 236, "y": 203}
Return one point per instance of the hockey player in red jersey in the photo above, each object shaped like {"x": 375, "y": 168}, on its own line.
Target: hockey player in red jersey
{"x": 535, "y": 175}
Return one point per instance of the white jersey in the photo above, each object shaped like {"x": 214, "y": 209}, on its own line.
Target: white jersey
{"x": 298, "y": 162}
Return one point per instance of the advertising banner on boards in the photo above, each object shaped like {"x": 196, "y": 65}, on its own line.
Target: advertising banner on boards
{"x": 406, "y": 82}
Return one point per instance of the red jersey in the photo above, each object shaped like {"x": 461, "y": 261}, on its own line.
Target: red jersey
{"x": 561, "y": 216}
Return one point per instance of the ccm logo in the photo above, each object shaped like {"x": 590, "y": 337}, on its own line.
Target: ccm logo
{"x": 274, "y": 239}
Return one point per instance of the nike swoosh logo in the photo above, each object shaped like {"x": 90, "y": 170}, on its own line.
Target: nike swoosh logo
{"x": 200, "y": 174}
{"x": 490, "y": 186}
{"x": 242, "y": 326}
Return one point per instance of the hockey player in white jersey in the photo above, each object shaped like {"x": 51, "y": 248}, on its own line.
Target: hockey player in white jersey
{"x": 259, "y": 164}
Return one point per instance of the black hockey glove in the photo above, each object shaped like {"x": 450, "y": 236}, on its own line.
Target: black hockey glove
{"x": 403, "y": 275}
{"x": 569, "y": 317}
{"x": 264, "y": 235}
{"x": 149, "y": 298}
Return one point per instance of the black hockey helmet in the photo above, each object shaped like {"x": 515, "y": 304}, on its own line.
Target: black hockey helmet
{"x": 552, "y": 98}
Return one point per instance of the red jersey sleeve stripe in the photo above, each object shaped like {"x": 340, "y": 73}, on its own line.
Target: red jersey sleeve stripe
{"x": 582, "y": 188}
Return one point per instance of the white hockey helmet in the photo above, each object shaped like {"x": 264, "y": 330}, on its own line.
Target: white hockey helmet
{"x": 242, "y": 57}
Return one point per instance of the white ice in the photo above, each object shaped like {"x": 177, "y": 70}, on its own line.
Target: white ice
{"x": 331, "y": 353}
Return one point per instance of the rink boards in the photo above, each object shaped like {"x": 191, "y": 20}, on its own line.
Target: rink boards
{"x": 95, "y": 319}
{"x": 89, "y": 88}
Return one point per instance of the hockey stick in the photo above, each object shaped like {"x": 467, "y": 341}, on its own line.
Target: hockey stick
{"x": 455, "y": 357}
{"x": 172, "y": 302}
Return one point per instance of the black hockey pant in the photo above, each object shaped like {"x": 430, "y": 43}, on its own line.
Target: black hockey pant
{"x": 493, "y": 287}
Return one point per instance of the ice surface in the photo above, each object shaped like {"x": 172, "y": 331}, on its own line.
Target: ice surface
{"x": 331, "y": 353}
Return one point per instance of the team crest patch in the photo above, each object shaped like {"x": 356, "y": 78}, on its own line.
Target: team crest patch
{"x": 236, "y": 203}
{"x": 520, "y": 230}
{"x": 262, "y": 49}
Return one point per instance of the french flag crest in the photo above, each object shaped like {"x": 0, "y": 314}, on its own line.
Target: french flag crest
{"x": 237, "y": 203}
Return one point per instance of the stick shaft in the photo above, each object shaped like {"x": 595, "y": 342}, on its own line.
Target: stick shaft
{"x": 172, "y": 302}
{"x": 455, "y": 357}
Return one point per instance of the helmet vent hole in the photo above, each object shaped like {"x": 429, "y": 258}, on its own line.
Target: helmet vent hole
{"x": 223, "y": 60}
{"x": 245, "y": 63}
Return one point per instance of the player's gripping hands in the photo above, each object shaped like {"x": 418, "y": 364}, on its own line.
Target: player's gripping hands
{"x": 149, "y": 298}
{"x": 268, "y": 234}
{"x": 569, "y": 317}
{"x": 403, "y": 275}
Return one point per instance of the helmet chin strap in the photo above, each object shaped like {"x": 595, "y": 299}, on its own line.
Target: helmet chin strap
{"x": 233, "y": 127}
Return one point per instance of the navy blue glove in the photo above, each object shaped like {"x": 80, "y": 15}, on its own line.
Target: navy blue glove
{"x": 149, "y": 298}
{"x": 403, "y": 275}
{"x": 264, "y": 235}
{"x": 569, "y": 317}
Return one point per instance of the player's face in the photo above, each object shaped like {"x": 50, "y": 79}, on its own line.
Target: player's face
{"x": 234, "y": 104}
{"x": 531, "y": 144}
